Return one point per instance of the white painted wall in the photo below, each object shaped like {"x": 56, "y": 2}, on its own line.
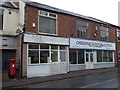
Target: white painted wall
{"x": 10, "y": 21}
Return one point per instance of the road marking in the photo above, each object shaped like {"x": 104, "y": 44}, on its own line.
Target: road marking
{"x": 97, "y": 83}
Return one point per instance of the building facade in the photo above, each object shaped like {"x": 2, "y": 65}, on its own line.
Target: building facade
{"x": 9, "y": 23}
{"x": 57, "y": 41}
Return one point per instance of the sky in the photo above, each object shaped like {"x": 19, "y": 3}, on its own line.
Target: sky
{"x": 105, "y": 10}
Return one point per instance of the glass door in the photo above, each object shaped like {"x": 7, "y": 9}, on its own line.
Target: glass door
{"x": 89, "y": 61}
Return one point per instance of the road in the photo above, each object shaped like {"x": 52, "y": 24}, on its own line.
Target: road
{"x": 104, "y": 80}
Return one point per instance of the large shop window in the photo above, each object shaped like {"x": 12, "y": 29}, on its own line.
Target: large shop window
{"x": 46, "y": 53}
{"x": 1, "y": 19}
{"x": 104, "y": 33}
{"x": 76, "y": 56}
{"x": 82, "y": 29}
{"x": 47, "y": 22}
{"x": 104, "y": 56}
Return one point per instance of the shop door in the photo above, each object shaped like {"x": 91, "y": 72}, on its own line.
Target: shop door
{"x": 89, "y": 61}
{"x": 55, "y": 65}
{"x": 58, "y": 62}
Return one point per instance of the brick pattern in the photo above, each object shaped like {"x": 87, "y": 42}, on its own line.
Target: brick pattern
{"x": 31, "y": 17}
{"x": 67, "y": 27}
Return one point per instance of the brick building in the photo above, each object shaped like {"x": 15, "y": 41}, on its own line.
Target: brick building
{"x": 56, "y": 41}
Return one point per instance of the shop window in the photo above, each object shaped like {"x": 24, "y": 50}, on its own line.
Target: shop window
{"x": 38, "y": 54}
{"x": 104, "y": 33}
{"x": 76, "y": 56}
{"x": 119, "y": 56}
{"x": 54, "y": 56}
{"x": 62, "y": 47}
{"x": 63, "y": 56}
{"x": 44, "y": 46}
{"x": 63, "y": 53}
{"x": 54, "y": 47}
{"x": 73, "y": 57}
{"x": 110, "y": 56}
{"x": 33, "y": 57}
{"x": 99, "y": 56}
{"x": 81, "y": 57}
{"x": 118, "y": 35}
{"x": 44, "y": 56}
{"x": 47, "y": 22}
{"x": 82, "y": 29}
{"x": 1, "y": 19}
{"x": 44, "y": 53}
{"x": 33, "y": 46}
{"x": 104, "y": 56}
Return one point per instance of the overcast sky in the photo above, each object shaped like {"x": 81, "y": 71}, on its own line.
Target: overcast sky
{"x": 106, "y": 10}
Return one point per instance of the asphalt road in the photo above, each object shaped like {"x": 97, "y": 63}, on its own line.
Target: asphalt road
{"x": 104, "y": 80}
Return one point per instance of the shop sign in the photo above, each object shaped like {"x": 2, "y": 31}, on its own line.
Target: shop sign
{"x": 91, "y": 44}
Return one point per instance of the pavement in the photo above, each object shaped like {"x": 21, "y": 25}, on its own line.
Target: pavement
{"x": 27, "y": 81}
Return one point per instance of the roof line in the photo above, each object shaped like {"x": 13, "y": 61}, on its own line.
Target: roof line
{"x": 47, "y": 7}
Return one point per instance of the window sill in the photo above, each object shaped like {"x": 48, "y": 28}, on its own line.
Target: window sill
{"x": 77, "y": 64}
{"x": 118, "y": 41}
{"x": 47, "y": 34}
{"x": 103, "y": 62}
{"x": 37, "y": 64}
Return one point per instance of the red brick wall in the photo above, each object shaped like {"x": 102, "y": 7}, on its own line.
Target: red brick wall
{"x": 92, "y": 30}
{"x": 66, "y": 26}
{"x": 31, "y": 17}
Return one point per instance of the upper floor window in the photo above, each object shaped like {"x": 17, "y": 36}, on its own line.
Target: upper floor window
{"x": 47, "y": 22}
{"x": 82, "y": 29}
{"x": 103, "y": 33}
{"x": 1, "y": 19}
{"x": 118, "y": 35}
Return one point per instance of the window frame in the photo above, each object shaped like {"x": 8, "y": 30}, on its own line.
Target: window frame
{"x": 47, "y": 17}
{"x": 102, "y": 57}
{"x": 82, "y": 34}
{"x": 103, "y": 30}
{"x": 77, "y": 51}
{"x": 50, "y": 50}
{"x": 2, "y": 19}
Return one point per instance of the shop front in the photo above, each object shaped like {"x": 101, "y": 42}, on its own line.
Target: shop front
{"x": 90, "y": 54}
{"x": 46, "y": 55}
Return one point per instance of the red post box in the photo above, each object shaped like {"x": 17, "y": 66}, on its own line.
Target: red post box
{"x": 12, "y": 69}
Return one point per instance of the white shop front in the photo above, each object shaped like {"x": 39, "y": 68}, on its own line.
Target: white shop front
{"x": 46, "y": 55}
{"x": 90, "y": 54}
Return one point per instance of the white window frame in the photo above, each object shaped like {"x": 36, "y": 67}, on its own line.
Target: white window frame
{"x": 47, "y": 17}
{"x": 58, "y": 51}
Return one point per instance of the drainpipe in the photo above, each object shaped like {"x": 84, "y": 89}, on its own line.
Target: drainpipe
{"x": 21, "y": 55}
{"x": 20, "y": 32}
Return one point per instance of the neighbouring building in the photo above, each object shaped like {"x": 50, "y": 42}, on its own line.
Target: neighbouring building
{"x": 9, "y": 23}
{"x": 56, "y": 41}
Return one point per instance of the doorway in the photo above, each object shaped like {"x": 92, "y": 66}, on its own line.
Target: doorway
{"x": 89, "y": 59}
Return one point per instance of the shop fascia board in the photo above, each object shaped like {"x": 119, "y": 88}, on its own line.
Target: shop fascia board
{"x": 32, "y": 38}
